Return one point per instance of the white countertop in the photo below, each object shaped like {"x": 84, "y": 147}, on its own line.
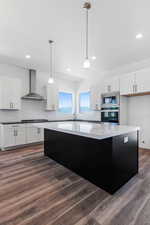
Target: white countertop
{"x": 86, "y": 129}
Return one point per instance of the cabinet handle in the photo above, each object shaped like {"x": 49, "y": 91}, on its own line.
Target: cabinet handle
{"x": 16, "y": 132}
{"x": 136, "y": 88}
{"x": 11, "y": 105}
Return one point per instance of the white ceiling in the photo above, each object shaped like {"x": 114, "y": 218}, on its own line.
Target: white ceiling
{"x": 27, "y": 25}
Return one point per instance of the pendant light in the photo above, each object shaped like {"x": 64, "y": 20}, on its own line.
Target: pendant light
{"x": 86, "y": 64}
{"x": 51, "y": 78}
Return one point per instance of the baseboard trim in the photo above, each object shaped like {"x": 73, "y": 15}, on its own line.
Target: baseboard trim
{"x": 144, "y": 149}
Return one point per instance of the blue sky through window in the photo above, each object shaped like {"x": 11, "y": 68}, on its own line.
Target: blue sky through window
{"x": 65, "y": 102}
{"x": 85, "y": 102}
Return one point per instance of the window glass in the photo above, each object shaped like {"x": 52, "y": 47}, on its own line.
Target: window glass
{"x": 84, "y": 102}
{"x": 65, "y": 102}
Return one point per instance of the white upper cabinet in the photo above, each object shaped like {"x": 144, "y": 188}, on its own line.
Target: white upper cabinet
{"x": 135, "y": 83}
{"x": 111, "y": 85}
{"x": 127, "y": 84}
{"x": 10, "y": 93}
{"x": 52, "y": 97}
{"x": 95, "y": 101}
{"x": 143, "y": 81}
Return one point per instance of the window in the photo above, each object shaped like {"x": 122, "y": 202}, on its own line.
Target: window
{"x": 84, "y": 100}
{"x": 65, "y": 102}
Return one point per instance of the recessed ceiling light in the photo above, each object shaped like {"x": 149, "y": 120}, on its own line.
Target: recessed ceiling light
{"x": 139, "y": 36}
{"x": 28, "y": 56}
{"x": 68, "y": 70}
{"x": 93, "y": 57}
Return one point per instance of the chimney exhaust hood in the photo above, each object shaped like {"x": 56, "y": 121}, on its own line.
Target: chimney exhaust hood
{"x": 32, "y": 95}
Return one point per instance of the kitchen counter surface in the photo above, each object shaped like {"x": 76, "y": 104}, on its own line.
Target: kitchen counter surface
{"x": 44, "y": 121}
{"x": 87, "y": 129}
{"x": 30, "y": 121}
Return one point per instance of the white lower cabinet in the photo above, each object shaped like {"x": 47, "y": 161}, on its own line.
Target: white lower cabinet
{"x": 34, "y": 134}
{"x": 20, "y": 134}
{"x": 12, "y": 135}
{"x": 8, "y": 139}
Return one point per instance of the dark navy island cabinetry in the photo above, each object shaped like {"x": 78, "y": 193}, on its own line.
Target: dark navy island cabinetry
{"x": 106, "y": 160}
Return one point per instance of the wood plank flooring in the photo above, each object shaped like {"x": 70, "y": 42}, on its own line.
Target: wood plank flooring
{"x": 35, "y": 190}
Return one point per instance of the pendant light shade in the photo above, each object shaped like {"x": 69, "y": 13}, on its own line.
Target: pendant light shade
{"x": 86, "y": 64}
{"x": 51, "y": 78}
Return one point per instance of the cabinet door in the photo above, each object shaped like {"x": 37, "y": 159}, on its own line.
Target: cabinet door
{"x": 40, "y": 135}
{"x": 20, "y": 135}
{"x": 34, "y": 134}
{"x": 112, "y": 85}
{"x": 143, "y": 81}
{"x": 115, "y": 84}
{"x": 127, "y": 84}
{"x": 10, "y": 93}
{"x": 31, "y": 134}
{"x": 95, "y": 101}
{"x": 52, "y": 97}
{"x": 16, "y": 94}
{"x": 6, "y": 101}
{"x": 8, "y": 136}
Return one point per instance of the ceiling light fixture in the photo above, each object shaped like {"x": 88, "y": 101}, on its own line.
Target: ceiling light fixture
{"x": 28, "y": 56}
{"x": 93, "y": 57}
{"x": 51, "y": 79}
{"x": 86, "y": 64}
{"x": 139, "y": 36}
{"x": 68, "y": 70}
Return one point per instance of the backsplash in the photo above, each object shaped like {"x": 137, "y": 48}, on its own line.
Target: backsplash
{"x": 32, "y": 110}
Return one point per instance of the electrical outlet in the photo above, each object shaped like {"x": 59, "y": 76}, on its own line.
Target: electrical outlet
{"x": 126, "y": 139}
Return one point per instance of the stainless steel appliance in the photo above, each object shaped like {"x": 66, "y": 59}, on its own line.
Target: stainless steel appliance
{"x": 32, "y": 95}
{"x": 110, "y": 99}
{"x": 110, "y": 107}
{"x": 110, "y": 115}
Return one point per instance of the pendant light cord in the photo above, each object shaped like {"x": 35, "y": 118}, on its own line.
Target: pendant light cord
{"x": 51, "y": 56}
{"x": 87, "y": 6}
{"x": 87, "y": 32}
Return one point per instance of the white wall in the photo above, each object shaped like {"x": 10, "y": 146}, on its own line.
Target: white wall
{"x": 139, "y": 115}
{"x": 33, "y": 109}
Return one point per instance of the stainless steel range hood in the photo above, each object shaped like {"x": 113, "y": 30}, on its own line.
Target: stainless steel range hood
{"x": 32, "y": 95}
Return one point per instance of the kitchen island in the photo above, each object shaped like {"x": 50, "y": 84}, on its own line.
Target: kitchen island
{"x": 104, "y": 154}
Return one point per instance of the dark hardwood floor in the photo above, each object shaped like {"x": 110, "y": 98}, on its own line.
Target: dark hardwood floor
{"x": 34, "y": 190}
